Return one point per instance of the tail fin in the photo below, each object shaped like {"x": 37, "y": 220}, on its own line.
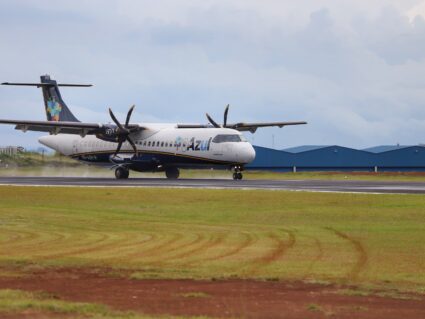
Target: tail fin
{"x": 56, "y": 109}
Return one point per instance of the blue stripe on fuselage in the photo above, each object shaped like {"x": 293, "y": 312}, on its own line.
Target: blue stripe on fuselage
{"x": 151, "y": 160}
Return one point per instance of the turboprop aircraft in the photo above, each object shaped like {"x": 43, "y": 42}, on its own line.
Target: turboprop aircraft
{"x": 141, "y": 147}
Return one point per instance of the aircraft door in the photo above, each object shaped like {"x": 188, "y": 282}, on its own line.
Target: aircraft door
{"x": 75, "y": 147}
{"x": 185, "y": 143}
{"x": 217, "y": 149}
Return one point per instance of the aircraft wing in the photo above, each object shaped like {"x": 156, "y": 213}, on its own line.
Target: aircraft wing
{"x": 54, "y": 127}
{"x": 252, "y": 127}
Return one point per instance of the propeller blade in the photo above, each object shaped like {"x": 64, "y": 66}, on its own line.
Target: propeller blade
{"x": 133, "y": 145}
{"x": 226, "y": 111}
{"x": 118, "y": 149}
{"x": 212, "y": 121}
{"x": 129, "y": 115}
{"x": 115, "y": 120}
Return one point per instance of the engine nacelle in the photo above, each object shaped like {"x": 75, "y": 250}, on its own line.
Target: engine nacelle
{"x": 109, "y": 133}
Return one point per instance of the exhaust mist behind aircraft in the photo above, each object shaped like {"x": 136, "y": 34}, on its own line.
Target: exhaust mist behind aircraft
{"x": 142, "y": 147}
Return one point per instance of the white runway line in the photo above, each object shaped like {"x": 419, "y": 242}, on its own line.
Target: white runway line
{"x": 285, "y": 185}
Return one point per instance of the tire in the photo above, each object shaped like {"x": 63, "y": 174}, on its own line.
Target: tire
{"x": 240, "y": 176}
{"x": 121, "y": 173}
{"x": 235, "y": 176}
{"x": 172, "y": 173}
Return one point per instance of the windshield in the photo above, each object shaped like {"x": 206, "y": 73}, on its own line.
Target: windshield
{"x": 224, "y": 138}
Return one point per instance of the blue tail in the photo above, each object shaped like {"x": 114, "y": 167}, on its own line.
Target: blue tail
{"x": 56, "y": 109}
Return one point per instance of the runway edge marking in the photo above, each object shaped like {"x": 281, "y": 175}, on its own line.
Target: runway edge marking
{"x": 212, "y": 187}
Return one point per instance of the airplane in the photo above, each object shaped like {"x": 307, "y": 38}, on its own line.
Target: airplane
{"x": 141, "y": 147}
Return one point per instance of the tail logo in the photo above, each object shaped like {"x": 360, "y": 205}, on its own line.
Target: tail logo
{"x": 53, "y": 109}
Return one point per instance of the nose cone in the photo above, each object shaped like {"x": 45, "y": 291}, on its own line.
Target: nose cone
{"x": 48, "y": 141}
{"x": 248, "y": 153}
{"x": 251, "y": 154}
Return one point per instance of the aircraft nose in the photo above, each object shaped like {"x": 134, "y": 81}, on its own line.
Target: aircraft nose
{"x": 248, "y": 153}
{"x": 251, "y": 154}
{"x": 48, "y": 141}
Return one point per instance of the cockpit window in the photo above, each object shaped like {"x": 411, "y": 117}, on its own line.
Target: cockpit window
{"x": 224, "y": 138}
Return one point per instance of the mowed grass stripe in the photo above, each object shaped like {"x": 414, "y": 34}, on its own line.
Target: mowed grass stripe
{"x": 189, "y": 233}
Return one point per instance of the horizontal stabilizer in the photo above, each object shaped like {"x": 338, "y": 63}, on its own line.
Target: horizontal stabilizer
{"x": 47, "y": 84}
{"x": 67, "y": 127}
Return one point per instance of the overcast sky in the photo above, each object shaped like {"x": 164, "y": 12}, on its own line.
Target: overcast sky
{"x": 355, "y": 70}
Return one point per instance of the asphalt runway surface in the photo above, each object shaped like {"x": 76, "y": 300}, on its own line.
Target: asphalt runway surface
{"x": 291, "y": 185}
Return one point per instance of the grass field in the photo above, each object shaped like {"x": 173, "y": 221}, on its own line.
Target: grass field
{"x": 32, "y": 304}
{"x": 218, "y": 233}
{"x": 365, "y": 240}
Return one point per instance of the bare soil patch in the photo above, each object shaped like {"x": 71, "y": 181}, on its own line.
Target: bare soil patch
{"x": 218, "y": 298}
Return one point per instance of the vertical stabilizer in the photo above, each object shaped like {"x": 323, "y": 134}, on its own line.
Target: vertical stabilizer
{"x": 56, "y": 109}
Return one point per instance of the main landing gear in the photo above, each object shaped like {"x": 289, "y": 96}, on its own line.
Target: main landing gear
{"x": 172, "y": 173}
{"x": 237, "y": 175}
{"x": 121, "y": 172}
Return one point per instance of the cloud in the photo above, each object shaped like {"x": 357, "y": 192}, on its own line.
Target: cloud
{"x": 353, "y": 70}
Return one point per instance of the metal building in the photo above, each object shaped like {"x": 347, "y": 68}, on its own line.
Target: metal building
{"x": 10, "y": 150}
{"x": 339, "y": 158}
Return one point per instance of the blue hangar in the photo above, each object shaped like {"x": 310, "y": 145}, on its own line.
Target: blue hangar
{"x": 386, "y": 158}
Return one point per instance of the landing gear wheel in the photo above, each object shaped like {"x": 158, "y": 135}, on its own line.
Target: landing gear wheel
{"x": 121, "y": 173}
{"x": 237, "y": 176}
{"x": 172, "y": 173}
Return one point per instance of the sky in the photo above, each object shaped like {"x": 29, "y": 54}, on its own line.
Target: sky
{"x": 354, "y": 70}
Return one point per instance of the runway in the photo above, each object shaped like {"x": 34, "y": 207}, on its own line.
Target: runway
{"x": 290, "y": 185}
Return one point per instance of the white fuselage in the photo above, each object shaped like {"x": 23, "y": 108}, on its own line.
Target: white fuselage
{"x": 163, "y": 143}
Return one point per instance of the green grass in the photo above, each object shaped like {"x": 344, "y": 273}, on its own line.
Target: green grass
{"x": 16, "y": 301}
{"x": 30, "y": 159}
{"x": 363, "y": 176}
{"x": 314, "y": 308}
{"x": 195, "y": 294}
{"x": 364, "y": 292}
{"x": 361, "y": 239}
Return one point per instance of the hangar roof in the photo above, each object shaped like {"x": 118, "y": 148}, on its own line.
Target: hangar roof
{"x": 385, "y": 148}
{"x": 304, "y": 148}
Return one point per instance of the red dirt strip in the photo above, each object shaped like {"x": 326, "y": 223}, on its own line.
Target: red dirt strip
{"x": 221, "y": 298}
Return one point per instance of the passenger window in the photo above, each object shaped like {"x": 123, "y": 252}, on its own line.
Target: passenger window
{"x": 162, "y": 144}
{"x": 149, "y": 143}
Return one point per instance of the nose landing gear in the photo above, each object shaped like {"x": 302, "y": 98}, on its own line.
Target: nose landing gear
{"x": 237, "y": 175}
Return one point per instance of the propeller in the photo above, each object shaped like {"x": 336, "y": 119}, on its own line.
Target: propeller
{"x": 123, "y": 132}
{"x": 214, "y": 123}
